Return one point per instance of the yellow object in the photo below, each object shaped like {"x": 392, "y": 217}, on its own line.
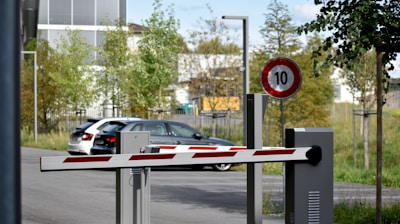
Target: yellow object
{"x": 220, "y": 103}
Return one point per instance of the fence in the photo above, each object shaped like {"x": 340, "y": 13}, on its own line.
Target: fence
{"x": 218, "y": 124}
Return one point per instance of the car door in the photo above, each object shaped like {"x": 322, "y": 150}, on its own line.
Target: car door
{"x": 185, "y": 135}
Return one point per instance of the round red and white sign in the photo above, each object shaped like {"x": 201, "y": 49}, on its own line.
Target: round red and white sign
{"x": 280, "y": 77}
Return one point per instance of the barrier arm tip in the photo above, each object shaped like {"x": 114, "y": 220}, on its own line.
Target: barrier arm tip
{"x": 314, "y": 155}
{"x": 41, "y": 165}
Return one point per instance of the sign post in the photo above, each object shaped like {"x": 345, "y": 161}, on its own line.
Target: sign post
{"x": 281, "y": 78}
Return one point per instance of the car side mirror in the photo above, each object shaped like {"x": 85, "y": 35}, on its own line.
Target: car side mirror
{"x": 197, "y": 136}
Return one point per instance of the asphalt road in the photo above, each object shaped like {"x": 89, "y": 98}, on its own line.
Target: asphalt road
{"x": 177, "y": 195}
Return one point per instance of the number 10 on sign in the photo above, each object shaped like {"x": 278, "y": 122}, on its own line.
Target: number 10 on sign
{"x": 280, "y": 77}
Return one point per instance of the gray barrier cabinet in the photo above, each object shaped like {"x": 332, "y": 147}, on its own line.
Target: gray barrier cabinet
{"x": 309, "y": 185}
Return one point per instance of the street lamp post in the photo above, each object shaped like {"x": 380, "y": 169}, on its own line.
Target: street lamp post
{"x": 34, "y": 90}
{"x": 254, "y": 170}
{"x": 246, "y": 88}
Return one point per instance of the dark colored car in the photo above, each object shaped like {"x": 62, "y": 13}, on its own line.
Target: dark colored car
{"x": 162, "y": 132}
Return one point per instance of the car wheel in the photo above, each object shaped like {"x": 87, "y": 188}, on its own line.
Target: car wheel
{"x": 222, "y": 167}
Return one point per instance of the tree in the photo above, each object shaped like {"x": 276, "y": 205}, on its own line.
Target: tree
{"x": 279, "y": 33}
{"x": 216, "y": 46}
{"x": 157, "y": 58}
{"x": 356, "y": 27}
{"x": 49, "y": 91}
{"x": 361, "y": 81}
{"x": 74, "y": 76}
{"x": 212, "y": 69}
{"x": 306, "y": 108}
{"x": 183, "y": 48}
{"x": 114, "y": 79}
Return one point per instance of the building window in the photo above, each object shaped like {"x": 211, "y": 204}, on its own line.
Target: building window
{"x": 43, "y": 9}
{"x": 107, "y": 12}
{"x": 60, "y": 12}
{"x": 84, "y": 12}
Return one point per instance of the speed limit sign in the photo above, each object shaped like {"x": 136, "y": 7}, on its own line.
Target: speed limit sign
{"x": 280, "y": 77}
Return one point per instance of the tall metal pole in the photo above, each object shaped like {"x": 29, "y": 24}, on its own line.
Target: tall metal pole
{"x": 246, "y": 78}
{"x": 10, "y": 170}
{"x": 254, "y": 170}
{"x": 246, "y": 88}
{"x": 35, "y": 122}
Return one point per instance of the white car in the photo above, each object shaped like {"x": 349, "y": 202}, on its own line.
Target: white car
{"x": 82, "y": 138}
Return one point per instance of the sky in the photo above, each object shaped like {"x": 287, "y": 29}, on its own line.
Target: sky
{"x": 189, "y": 12}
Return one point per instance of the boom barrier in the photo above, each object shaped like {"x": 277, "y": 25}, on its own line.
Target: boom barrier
{"x": 180, "y": 158}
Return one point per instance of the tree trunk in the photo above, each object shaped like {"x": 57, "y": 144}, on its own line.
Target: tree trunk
{"x": 354, "y": 139}
{"x": 379, "y": 103}
{"x": 366, "y": 134}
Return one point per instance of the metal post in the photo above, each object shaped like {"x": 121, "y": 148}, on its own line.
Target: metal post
{"x": 254, "y": 170}
{"x": 10, "y": 171}
{"x": 34, "y": 91}
{"x": 282, "y": 123}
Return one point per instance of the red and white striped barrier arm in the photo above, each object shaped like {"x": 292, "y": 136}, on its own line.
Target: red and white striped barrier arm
{"x": 197, "y": 148}
{"x": 202, "y": 148}
{"x": 175, "y": 158}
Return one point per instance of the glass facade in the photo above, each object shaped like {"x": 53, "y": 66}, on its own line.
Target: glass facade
{"x": 81, "y": 12}
{"x": 55, "y": 16}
